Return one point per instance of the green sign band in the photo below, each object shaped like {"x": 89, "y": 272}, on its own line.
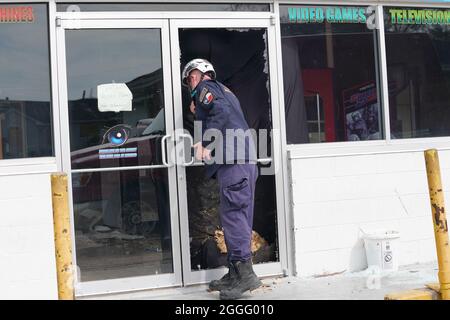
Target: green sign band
{"x": 410, "y": 16}
{"x": 328, "y": 14}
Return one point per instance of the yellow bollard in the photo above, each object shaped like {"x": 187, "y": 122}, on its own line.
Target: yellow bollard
{"x": 439, "y": 221}
{"x": 441, "y": 290}
{"x": 63, "y": 244}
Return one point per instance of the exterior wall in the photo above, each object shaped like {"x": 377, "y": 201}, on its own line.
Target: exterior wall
{"x": 334, "y": 197}
{"x": 27, "y": 251}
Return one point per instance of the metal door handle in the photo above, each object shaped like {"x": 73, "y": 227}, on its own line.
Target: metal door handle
{"x": 189, "y": 137}
{"x": 163, "y": 151}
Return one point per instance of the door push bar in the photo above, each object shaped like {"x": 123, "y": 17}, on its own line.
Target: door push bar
{"x": 164, "y": 153}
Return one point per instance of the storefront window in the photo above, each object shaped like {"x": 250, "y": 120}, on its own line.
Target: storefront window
{"x": 255, "y": 7}
{"x": 418, "y": 61}
{"x": 25, "y": 109}
{"x": 330, "y": 74}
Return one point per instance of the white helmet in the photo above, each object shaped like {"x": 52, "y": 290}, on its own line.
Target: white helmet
{"x": 201, "y": 65}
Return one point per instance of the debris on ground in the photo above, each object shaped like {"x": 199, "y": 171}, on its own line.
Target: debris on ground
{"x": 257, "y": 241}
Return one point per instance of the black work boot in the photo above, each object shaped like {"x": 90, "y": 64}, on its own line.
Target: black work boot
{"x": 246, "y": 279}
{"x": 224, "y": 282}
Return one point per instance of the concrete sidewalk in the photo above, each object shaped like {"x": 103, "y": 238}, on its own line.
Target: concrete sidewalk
{"x": 345, "y": 286}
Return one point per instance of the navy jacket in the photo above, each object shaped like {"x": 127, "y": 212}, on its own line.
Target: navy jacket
{"x": 218, "y": 108}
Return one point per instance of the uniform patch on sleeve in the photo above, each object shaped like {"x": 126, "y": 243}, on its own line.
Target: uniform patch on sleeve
{"x": 208, "y": 98}
{"x": 203, "y": 94}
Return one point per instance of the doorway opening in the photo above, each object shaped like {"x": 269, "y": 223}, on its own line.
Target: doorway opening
{"x": 240, "y": 59}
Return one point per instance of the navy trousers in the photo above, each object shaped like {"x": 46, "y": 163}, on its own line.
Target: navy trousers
{"x": 237, "y": 193}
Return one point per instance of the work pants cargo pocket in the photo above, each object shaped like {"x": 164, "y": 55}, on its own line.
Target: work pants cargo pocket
{"x": 237, "y": 194}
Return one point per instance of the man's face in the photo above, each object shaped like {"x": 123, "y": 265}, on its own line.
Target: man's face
{"x": 194, "y": 79}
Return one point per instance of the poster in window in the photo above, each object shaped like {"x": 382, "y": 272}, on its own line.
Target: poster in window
{"x": 361, "y": 112}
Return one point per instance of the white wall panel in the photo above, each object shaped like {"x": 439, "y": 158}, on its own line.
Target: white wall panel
{"x": 27, "y": 251}
{"x": 361, "y": 192}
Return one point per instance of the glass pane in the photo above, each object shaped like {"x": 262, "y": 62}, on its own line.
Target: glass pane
{"x": 418, "y": 61}
{"x": 330, "y": 66}
{"x": 163, "y": 7}
{"x": 25, "y": 107}
{"x": 246, "y": 74}
{"x": 105, "y": 69}
{"x": 122, "y": 223}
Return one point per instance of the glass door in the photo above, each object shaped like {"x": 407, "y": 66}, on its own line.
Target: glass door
{"x": 242, "y": 52}
{"x": 117, "y": 113}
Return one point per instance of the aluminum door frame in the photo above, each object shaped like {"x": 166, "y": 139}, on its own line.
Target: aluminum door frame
{"x": 264, "y": 269}
{"x": 132, "y": 283}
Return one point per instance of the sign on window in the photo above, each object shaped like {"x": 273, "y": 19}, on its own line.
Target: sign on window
{"x": 115, "y": 97}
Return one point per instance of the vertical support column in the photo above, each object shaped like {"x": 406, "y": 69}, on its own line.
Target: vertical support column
{"x": 439, "y": 220}
{"x": 2, "y": 117}
{"x": 55, "y": 105}
{"x": 63, "y": 244}
{"x": 383, "y": 70}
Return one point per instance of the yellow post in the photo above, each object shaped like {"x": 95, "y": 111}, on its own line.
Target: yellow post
{"x": 439, "y": 221}
{"x": 63, "y": 244}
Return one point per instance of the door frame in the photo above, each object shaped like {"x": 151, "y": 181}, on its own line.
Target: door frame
{"x": 131, "y": 283}
{"x": 264, "y": 269}
{"x": 169, "y": 22}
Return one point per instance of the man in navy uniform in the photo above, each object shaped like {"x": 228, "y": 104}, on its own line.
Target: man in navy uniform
{"x": 234, "y": 165}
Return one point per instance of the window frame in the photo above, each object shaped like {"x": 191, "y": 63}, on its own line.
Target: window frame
{"x": 350, "y": 148}
{"x": 419, "y": 140}
{"x": 26, "y": 165}
{"x": 45, "y": 164}
{"x": 380, "y": 88}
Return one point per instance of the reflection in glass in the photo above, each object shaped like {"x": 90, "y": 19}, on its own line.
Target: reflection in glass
{"x": 330, "y": 78}
{"x": 315, "y": 116}
{"x": 246, "y": 74}
{"x": 25, "y": 108}
{"x": 122, "y": 223}
{"x": 124, "y": 56}
{"x": 418, "y": 61}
